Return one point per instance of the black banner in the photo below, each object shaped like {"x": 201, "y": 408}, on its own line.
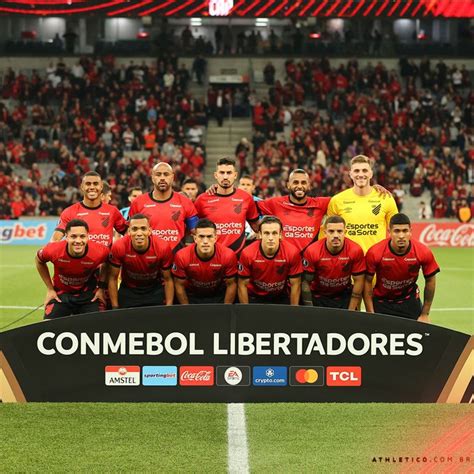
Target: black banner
{"x": 234, "y": 353}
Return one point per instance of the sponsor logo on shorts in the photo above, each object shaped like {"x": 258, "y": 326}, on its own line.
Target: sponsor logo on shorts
{"x": 160, "y": 375}
{"x": 122, "y": 375}
{"x": 235, "y": 375}
{"x": 270, "y": 376}
{"x": 193, "y": 375}
{"x": 344, "y": 376}
{"x": 306, "y": 376}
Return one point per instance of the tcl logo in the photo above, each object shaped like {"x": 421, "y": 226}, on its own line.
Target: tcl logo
{"x": 196, "y": 375}
{"x": 343, "y": 376}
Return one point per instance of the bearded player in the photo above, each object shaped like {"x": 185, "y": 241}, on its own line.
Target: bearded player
{"x": 229, "y": 207}
{"x": 74, "y": 288}
{"x": 170, "y": 213}
{"x": 206, "y": 271}
{"x": 331, "y": 264}
{"x": 270, "y": 269}
{"x": 396, "y": 263}
{"x": 101, "y": 217}
{"x": 143, "y": 261}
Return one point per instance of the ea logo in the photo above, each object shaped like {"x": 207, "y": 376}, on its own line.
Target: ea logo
{"x": 306, "y": 376}
{"x": 233, "y": 376}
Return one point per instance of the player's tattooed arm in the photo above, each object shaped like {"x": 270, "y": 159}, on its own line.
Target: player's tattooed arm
{"x": 368, "y": 293}
{"x": 168, "y": 286}
{"x": 180, "y": 289}
{"x": 430, "y": 287}
{"x": 295, "y": 291}
{"x": 101, "y": 284}
{"x": 383, "y": 192}
{"x": 357, "y": 292}
{"x": 43, "y": 271}
{"x": 230, "y": 290}
{"x": 306, "y": 289}
{"x": 243, "y": 291}
{"x": 113, "y": 285}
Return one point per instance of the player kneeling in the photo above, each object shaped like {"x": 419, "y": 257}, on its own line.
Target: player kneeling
{"x": 268, "y": 266}
{"x": 329, "y": 265}
{"x": 206, "y": 271}
{"x": 396, "y": 263}
{"x": 74, "y": 288}
{"x": 143, "y": 260}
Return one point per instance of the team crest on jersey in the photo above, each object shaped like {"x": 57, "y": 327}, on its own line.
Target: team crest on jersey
{"x": 238, "y": 208}
{"x": 106, "y": 221}
{"x": 376, "y": 209}
{"x": 346, "y": 267}
{"x": 310, "y": 213}
{"x": 280, "y": 269}
{"x": 175, "y": 215}
{"x": 413, "y": 268}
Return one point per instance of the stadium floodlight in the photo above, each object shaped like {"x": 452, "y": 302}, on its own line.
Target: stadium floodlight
{"x": 261, "y": 22}
{"x": 196, "y": 22}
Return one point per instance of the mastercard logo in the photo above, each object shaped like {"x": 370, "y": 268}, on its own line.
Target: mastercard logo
{"x": 307, "y": 376}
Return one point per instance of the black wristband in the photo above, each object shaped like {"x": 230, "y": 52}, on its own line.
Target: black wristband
{"x": 102, "y": 285}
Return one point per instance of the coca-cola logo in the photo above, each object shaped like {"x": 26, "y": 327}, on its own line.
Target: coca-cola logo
{"x": 196, "y": 375}
{"x": 447, "y": 235}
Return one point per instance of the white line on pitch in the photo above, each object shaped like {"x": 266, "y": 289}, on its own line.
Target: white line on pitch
{"x": 238, "y": 457}
{"x": 451, "y": 309}
{"x": 21, "y": 307}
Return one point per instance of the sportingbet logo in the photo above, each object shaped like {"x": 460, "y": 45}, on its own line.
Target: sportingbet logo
{"x": 306, "y": 376}
{"x": 270, "y": 376}
{"x": 20, "y": 231}
{"x": 122, "y": 375}
{"x": 160, "y": 375}
{"x": 343, "y": 376}
{"x": 196, "y": 375}
{"x": 236, "y": 375}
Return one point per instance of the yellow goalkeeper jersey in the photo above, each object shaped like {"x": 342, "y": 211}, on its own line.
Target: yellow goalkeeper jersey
{"x": 366, "y": 217}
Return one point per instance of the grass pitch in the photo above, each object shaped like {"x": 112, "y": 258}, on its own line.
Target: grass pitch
{"x": 282, "y": 438}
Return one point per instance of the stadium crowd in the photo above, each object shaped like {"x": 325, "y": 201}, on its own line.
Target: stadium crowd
{"x": 95, "y": 116}
{"x": 416, "y": 125}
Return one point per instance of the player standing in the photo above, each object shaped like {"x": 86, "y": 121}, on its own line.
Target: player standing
{"x": 206, "y": 271}
{"x": 300, "y": 214}
{"x": 366, "y": 211}
{"x": 74, "y": 288}
{"x": 101, "y": 217}
{"x": 169, "y": 213}
{"x": 396, "y": 262}
{"x": 267, "y": 266}
{"x": 141, "y": 259}
{"x": 329, "y": 265}
{"x": 229, "y": 208}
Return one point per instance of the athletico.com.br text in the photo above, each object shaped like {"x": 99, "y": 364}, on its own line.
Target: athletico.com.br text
{"x": 420, "y": 459}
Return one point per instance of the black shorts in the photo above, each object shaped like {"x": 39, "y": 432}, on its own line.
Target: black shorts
{"x": 136, "y": 297}
{"x": 72, "y": 304}
{"x": 341, "y": 300}
{"x": 216, "y": 299}
{"x": 278, "y": 299}
{"x": 409, "y": 308}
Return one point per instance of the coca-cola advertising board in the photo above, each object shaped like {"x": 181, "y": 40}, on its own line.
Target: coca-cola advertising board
{"x": 234, "y": 353}
{"x": 444, "y": 234}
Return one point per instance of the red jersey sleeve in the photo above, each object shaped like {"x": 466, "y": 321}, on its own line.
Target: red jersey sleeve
{"x": 370, "y": 261}
{"x": 45, "y": 254}
{"x": 189, "y": 208}
{"x": 428, "y": 262}
{"x": 296, "y": 265}
{"x": 117, "y": 253}
{"x": 179, "y": 265}
{"x": 265, "y": 207}
{"x": 324, "y": 203}
{"x": 64, "y": 218}
{"x": 198, "y": 204}
{"x": 166, "y": 255}
{"x": 358, "y": 258}
{"x": 134, "y": 209}
{"x": 244, "y": 265}
{"x": 308, "y": 262}
{"x": 120, "y": 224}
{"x": 105, "y": 252}
{"x": 230, "y": 269}
{"x": 252, "y": 212}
